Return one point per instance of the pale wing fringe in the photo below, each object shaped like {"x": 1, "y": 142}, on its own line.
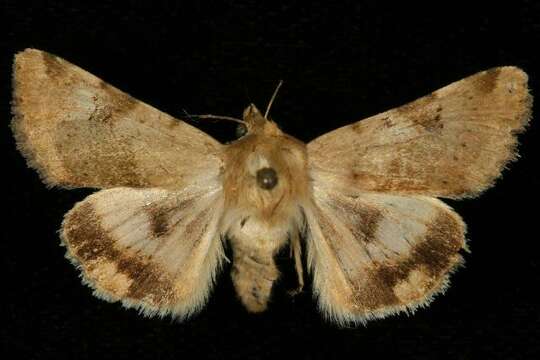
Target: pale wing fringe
{"x": 152, "y": 250}
{"x": 398, "y": 263}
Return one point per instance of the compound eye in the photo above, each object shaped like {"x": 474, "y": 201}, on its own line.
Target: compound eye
{"x": 267, "y": 178}
{"x": 241, "y": 130}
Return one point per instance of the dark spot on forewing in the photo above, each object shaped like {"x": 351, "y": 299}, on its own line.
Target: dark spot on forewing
{"x": 119, "y": 102}
{"x": 54, "y": 67}
{"x": 417, "y": 106}
{"x": 88, "y": 241}
{"x": 486, "y": 81}
{"x": 387, "y": 122}
{"x": 432, "y": 122}
{"x": 101, "y": 114}
{"x": 425, "y": 112}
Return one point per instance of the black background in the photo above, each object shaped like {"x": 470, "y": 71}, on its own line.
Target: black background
{"x": 340, "y": 62}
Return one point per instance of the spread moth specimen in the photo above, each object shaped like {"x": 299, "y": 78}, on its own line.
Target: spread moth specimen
{"x": 364, "y": 197}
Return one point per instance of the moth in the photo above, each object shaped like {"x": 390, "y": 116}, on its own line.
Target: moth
{"x": 362, "y": 200}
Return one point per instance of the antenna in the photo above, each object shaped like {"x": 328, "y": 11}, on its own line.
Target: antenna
{"x": 272, "y": 99}
{"x": 216, "y": 117}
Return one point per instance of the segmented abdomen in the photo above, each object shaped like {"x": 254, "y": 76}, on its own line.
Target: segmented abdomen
{"x": 253, "y": 274}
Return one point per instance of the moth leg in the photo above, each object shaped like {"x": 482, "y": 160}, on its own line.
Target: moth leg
{"x": 296, "y": 249}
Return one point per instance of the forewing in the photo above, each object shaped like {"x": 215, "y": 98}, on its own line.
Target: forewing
{"x": 452, "y": 143}
{"x": 152, "y": 249}
{"x": 79, "y": 131}
{"x": 373, "y": 255}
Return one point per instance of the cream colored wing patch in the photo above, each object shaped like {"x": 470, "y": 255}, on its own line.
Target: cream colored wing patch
{"x": 452, "y": 143}
{"x": 373, "y": 255}
{"x": 154, "y": 250}
{"x": 79, "y": 131}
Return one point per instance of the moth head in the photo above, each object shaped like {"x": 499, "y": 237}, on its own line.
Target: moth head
{"x": 256, "y": 123}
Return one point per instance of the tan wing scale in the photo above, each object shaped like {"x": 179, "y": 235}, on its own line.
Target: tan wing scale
{"x": 152, "y": 249}
{"x": 452, "y": 143}
{"x": 79, "y": 131}
{"x": 373, "y": 255}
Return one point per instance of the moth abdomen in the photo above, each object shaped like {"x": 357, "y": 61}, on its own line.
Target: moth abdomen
{"x": 253, "y": 276}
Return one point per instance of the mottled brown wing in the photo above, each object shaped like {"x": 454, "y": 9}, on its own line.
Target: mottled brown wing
{"x": 373, "y": 255}
{"x": 452, "y": 143}
{"x": 152, "y": 249}
{"x": 78, "y": 131}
